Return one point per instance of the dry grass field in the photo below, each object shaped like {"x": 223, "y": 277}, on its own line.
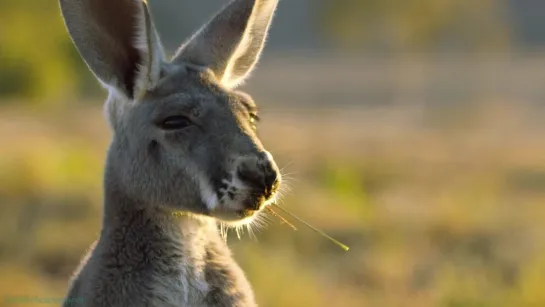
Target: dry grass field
{"x": 440, "y": 206}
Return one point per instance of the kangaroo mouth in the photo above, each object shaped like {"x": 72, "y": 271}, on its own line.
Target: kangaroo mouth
{"x": 255, "y": 202}
{"x": 251, "y": 205}
{"x": 246, "y": 213}
{"x": 243, "y": 207}
{"x": 239, "y": 201}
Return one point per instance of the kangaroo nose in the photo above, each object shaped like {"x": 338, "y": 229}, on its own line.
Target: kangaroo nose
{"x": 271, "y": 179}
{"x": 249, "y": 175}
{"x": 261, "y": 173}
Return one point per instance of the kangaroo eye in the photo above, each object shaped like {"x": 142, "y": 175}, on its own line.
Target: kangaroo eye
{"x": 254, "y": 119}
{"x": 175, "y": 123}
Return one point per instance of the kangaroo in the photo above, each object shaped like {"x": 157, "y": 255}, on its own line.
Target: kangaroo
{"x": 184, "y": 141}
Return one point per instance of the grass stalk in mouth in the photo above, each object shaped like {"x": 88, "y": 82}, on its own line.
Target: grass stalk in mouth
{"x": 341, "y": 245}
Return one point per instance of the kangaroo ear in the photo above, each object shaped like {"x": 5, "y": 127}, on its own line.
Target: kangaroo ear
{"x": 118, "y": 41}
{"x": 231, "y": 43}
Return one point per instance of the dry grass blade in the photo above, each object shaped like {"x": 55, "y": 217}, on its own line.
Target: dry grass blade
{"x": 284, "y": 221}
{"x": 312, "y": 227}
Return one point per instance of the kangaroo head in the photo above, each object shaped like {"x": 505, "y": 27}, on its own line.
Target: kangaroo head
{"x": 184, "y": 139}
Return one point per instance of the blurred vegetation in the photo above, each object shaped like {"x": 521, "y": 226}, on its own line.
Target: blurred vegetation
{"x": 37, "y": 59}
{"x": 39, "y": 63}
{"x": 436, "y": 180}
{"x": 431, "y": 219}
{"x": 417, "y": 25}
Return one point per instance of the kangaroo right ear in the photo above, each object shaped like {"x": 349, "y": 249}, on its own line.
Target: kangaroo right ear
{"x": 231, "y": 43}
{"x": 118, "y": 41}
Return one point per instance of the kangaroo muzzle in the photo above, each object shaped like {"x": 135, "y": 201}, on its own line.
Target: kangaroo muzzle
{"x": 261, "y": 175}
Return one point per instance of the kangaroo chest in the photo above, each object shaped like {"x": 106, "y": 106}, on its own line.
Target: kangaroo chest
{"x": 183, "y": 287}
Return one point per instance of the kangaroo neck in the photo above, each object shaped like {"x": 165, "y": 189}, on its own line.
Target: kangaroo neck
{"x": 143, "y": 234}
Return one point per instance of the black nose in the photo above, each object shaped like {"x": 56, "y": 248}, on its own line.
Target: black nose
{"x": 271, "y": 180}
{"x": 263, "y": 176}
{"x": 250, "y": 176}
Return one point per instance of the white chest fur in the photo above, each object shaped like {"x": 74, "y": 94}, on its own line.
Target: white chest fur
{"x": 186, "y": 288}
{"x": 187, "y": 285}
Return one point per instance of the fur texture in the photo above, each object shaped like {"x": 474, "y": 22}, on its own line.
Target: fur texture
{"x": 184, "y": 142}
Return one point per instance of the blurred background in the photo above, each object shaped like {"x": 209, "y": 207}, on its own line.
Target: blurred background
{"x": 410, "y": 130}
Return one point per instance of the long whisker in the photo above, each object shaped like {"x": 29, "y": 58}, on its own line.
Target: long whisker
{"x": 312, "y": 227}
{"x": 223, "y": 232}
{"x": 289, "y": 175}
{"x": 260, "y": 222}
{"x": 238, "y": 231}
{"x": 251, "y": 232}
{"x": 286, "y": 166}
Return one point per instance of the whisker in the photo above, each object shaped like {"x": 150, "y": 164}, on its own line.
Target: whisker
{"x": 238, "y": 231}
{"x": 260, "y": 222}
{"x": 265, "y": 218}
{"x": 285, "y": 166}
{"x": 251, "y": 232}
{"x": 288, "y": 176}
{"x": 223, "y": 231}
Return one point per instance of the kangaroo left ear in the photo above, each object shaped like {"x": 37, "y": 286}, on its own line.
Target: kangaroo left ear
{"x": 231, "y": 43}
{"x": 118, "y": 41}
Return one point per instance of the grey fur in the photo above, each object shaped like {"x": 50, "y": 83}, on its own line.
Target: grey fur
{"x": 214, "y": 169}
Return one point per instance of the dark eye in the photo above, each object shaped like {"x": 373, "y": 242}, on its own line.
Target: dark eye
{"x": 175, "y": 122}
{"x": 254, "y": 119}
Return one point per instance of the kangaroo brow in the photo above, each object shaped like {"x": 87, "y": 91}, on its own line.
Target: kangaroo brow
{"x": 178, "y": 104}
